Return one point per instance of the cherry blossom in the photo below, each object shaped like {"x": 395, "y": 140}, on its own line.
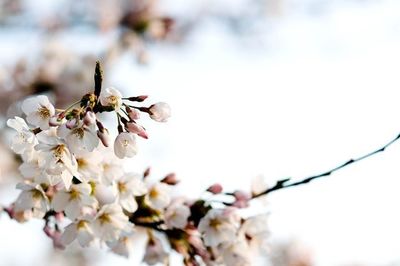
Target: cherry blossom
{"x": 38, "y": 111}
{"x": 25, "y": 139}
{"x": 111, "y": 97}
{"x": 217, "y": 227}
{"x": 32, "y": 198}
{"x": 109, "y": 222}
{"x": 81, "y": 230}
{"x": 125, "y": 145}
{"x": 160, "y": 112}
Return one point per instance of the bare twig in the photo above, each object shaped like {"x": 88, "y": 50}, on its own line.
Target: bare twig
{"x": 284, "y": 183}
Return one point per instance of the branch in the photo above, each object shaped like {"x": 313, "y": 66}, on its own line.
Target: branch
{"x": 284, "y": 183}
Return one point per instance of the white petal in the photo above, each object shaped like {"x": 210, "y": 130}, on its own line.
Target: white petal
{"x": 129, "y": 204}
{"x": 73, "y": 210}
{"x": 69, "y": 235}
{"x": 60, "y": 201}
{"x": 30, "y": 105}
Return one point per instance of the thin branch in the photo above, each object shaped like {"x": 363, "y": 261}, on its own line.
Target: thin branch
{"x": 284, "y": 183}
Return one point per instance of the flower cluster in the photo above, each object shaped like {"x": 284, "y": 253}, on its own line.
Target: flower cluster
{"x": 74, "y": 180}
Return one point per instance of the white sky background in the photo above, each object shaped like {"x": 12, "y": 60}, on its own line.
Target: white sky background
{"x": 306, "y": 93}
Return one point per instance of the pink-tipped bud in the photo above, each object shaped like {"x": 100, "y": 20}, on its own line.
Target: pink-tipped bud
{"x": 139, "y": 98}
{"x": 48, "y": 231}
{"x": 104, "y": 137}
{"x": 136, "y": 129}
{"x": 160, "y": 112}
{"x": 170, "y": 179}
{"x": 133, "y": 113}
{"x": 241, "y": 199}
{"x": 241, "y": 195}
{"x": 71, "y": 123}
{"x": 55, "y": 121}
{"x": 90, "y": 118}
{"x": 57, "y": 243}
{"x": 215, "y": 189}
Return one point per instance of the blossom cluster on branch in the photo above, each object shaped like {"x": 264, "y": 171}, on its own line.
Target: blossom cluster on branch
{"x": 74, "y": 180}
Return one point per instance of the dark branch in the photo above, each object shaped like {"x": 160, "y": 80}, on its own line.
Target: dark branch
{"x": 98, "y": 79}
{"x": 284, "y": 183}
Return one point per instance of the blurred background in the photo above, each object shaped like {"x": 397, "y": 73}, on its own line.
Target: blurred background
{"x": 258, "y": 88}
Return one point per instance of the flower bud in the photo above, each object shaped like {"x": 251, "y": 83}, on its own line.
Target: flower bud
{"x": 104, "y": 137}
{"x": 133, "y": 113}
{"x": 140, "y": 98}
{"x": 90, "y": 118}
{"x": 160, "y": 112}
{"x": 170, "y": 179}
{"x": 136, "y": 129}
{"x": 71, "y": 123}
{"x": 215, "y": 189}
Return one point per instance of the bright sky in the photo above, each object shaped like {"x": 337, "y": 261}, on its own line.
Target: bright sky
{"x": 305, "y": 95}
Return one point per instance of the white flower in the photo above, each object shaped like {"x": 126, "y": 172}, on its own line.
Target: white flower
{"x": 129, "y": 186}
{"x": 160, "y": 112}
{"x": 89, "y": 165}
{"x": 31, "y": 169}
{"x": 24, "y": 140}
{"x": 111, "y": 97}
{"x": 218, "y": 226}
{"x": 32, "y": 198}
{"x": 81, "y": 230}
{"x": 236, "y": 253}
{"x": 258, "y": 185}
{"x": 122, "y": 246}
{"x": 125, "y": 145}
{"x": 57, "y": 159}
{"x": 159, "y": 195}
{"x": 109, "y": 222}
{"x": 176, "y": 215}
{"x": 155, "y": 252}
{"x": 72, "y": 201}
{"x": 111, "y": 167}
{"x": 255, "y": 230}
{"x": 38, "y": 111}
{"x": 81, "y": 138}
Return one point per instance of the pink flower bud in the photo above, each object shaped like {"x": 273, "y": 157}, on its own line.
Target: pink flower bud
{"x": 57, "y": 243}
{"x": 170, "y": 179}
{"x": 89, "y": 119}
{"x": 241, "y": 195}
{"x": 104, "y": 137}
{"x": 133, "y": 113}
{"x": 136, "y": 129}
{"x": 48, "y": 231}
{"x": 160, "y": 112}
{"x": 215, "y": 189}
{"x": 241, "y": 199}
{"x": 71, "y": 123}
{"x": 140, "y": 98}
